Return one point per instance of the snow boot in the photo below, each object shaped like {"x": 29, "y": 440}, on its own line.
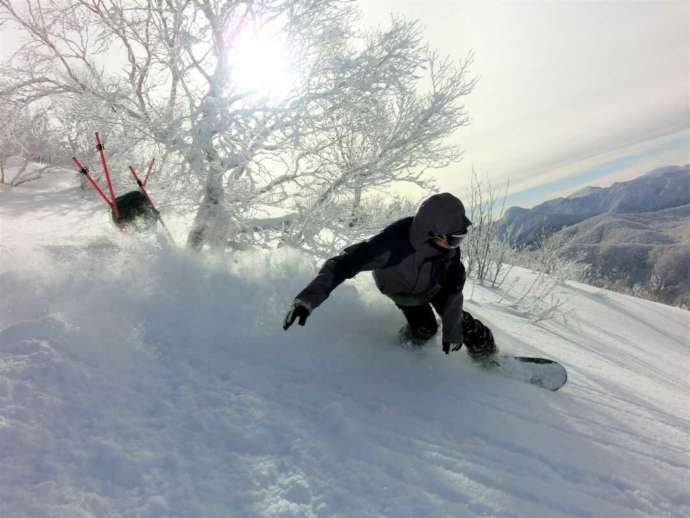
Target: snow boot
{"x": 478, "y": 339}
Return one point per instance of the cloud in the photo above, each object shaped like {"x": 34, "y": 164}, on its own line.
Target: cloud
{"x": 603, "y": 170}
{"x": 564, "y": 86}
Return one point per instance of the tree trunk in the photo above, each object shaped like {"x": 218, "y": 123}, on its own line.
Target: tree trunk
{"x": 211, "y": 223}
{"x": 18, "y": 176}
{"x": 355, "y": 215}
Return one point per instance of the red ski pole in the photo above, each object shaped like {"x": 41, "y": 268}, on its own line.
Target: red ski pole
{"x": 148, "y": 172}
{"x": 107, "y": 175}
{"x": 83, "y": 170}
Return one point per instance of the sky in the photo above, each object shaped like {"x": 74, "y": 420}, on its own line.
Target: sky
{"x": 570, "y": 93}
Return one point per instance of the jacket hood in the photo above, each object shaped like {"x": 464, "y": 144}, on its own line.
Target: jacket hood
{"x": 440, "y": 214}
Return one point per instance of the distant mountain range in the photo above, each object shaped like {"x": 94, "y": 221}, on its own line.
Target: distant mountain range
{"x": 635, "y": 235}
{"x": 659, "y": 189}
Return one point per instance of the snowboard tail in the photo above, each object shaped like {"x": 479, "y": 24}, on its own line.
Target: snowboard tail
{"x": 544, "y": 373}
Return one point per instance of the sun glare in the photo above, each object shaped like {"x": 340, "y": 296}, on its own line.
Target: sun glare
{"x": 260, "y": 62}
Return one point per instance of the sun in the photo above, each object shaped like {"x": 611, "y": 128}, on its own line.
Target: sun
{"x": 261, "y": 63}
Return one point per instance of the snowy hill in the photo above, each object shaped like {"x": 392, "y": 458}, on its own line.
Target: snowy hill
{"x": 138, "y": 380}
{"x": 649, "y": 252}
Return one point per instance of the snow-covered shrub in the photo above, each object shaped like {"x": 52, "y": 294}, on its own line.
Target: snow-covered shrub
{"x": 540, "y": 297}
{"x": 671, "y": 276}
{"x": 484, "y": 253}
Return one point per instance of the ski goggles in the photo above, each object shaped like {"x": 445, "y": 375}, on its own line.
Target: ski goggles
{"x": 455, "y": 239}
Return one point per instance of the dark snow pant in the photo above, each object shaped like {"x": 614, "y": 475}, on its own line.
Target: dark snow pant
{"x": 423, "y": 325}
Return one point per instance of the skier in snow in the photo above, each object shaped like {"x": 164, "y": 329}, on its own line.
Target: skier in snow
{"x": 416, "y": 263}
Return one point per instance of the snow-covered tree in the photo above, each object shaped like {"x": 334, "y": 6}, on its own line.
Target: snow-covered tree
{"x": 350, "y": 113}
{"x": 8, "y": 144}
{"x": 25, "y": 137}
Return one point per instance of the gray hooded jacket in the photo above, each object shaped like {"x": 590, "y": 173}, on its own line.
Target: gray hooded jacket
{"x": 406, "y": 266}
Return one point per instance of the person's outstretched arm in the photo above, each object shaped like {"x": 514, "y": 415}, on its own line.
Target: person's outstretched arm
{"x": 364, "y": 256}
{"x": 384, "y": 249}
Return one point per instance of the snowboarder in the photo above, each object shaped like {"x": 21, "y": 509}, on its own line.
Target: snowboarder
{"x": 416, "y": 263}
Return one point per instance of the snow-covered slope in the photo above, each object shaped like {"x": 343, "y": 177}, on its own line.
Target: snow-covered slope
{"x": 137, "y": 380}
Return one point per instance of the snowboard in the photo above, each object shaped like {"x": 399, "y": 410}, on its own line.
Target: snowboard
{"x": 547, "y": 374}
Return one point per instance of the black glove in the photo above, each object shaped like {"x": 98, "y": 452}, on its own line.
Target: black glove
{"x": 448, "y": 345}
{"x": 298, "y": 310}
